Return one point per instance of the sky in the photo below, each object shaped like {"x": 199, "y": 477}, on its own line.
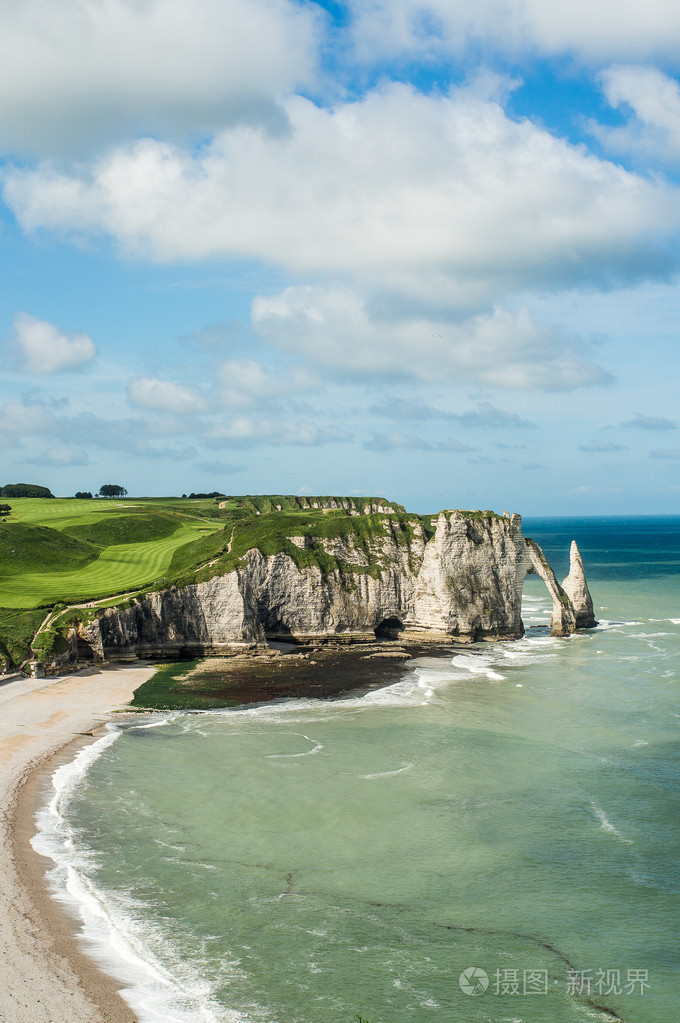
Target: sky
{"x": 420, "y": 249}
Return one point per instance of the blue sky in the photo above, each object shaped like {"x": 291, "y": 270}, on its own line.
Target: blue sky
{"x": 399, "y": 247}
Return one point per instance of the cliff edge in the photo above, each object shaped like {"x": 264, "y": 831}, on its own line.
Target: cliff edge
{"x": 454, "y": 577}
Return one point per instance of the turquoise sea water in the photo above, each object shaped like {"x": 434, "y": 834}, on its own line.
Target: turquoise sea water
{"x": 510, "y": 808}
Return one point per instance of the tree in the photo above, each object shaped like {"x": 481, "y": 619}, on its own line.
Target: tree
{"x": 112, "y": 490}
{"x": 84, "y": 495}
{"x": 5, "y": 509}
{"x": 24, "y": 490}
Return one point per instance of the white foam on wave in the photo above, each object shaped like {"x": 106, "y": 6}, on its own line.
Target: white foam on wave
{"x": 478, "y": 664}
{"x": 159, "y": 986}
{"x": 606, "y": 825}
{"x": 407, "y": 691}
{"x": 603, "y": 625}
{"x": 317, "y": 747}
{"x": 386, "y": 774}
{"x": 422, "y": 678}
{"x": 531, "y": 650}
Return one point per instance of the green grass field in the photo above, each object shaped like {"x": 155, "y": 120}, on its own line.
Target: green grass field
{"x": 67, "y": 551}
{"x": 64, "y": 551}
{"x": 118, "y": 569}
{"x": 60, "y": 512}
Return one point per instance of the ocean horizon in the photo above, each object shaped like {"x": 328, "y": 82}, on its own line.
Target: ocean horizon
{"x": 491, "y": 837}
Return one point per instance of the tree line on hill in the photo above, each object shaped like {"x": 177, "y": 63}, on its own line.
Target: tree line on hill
{"x": 24, "y": 490}
{"x": 108, "y": 490}
{"x": 33, "y": 490}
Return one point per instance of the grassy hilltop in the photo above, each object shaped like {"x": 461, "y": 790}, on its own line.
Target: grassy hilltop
{"x": 59, "y": 553}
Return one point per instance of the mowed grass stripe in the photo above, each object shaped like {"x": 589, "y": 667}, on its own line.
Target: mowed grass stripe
{"x": 118, "y": 569}
{"x": 58, "y": 512}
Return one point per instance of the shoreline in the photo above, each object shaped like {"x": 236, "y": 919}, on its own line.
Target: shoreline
{"x": 44, "y": 975}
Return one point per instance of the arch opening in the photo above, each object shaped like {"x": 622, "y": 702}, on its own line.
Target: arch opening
{"x": 389, "y": 628}
{"x": 536, "y": 606}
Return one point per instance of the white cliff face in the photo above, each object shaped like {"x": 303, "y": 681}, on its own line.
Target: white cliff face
{"x": 312, "y": 604}
{"x": 465, "y": 583}
{"x": 354, "y": 507}
{"x": 576, "y": 588}
{"x": 211, "y": 616}
{"x": 470, "y": 581}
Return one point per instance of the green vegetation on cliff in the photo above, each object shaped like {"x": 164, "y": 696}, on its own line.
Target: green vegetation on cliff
{"x": 266, "y": 503}
{"x": 63, "y": 551}
{"x": 308, "y": 539}
{"x": 16, "y": 631}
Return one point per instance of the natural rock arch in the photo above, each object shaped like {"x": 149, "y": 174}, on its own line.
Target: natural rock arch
{"x": 572, "y": 605}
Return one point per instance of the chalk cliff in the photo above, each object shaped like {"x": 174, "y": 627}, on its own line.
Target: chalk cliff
{"x": 576, "y": 588}
{"x": 463, "y": 584}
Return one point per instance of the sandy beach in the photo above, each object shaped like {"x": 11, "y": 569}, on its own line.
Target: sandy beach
{"x": 44, "y": 978}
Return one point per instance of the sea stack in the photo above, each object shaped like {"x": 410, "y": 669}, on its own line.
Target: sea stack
{"x": 576, "y": 588}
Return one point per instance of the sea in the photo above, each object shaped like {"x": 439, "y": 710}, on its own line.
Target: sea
{"x": 492, "y": 838}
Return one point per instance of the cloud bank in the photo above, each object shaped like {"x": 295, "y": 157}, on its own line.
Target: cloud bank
{"x": 591, "y": 30}
{"x": 505, "y": 348}
{"x": 420, "y": 219}
{"x": 443, "y": 198}
{"x": 86, "y": 73}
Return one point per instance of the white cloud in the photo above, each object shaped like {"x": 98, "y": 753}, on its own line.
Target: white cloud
{"x": 395, "y": 407}
{"x": 502, "y": 349}
{"x": 654, "y": 99}
{"x": 650, "y": 422}
{"x": 165, "y": 396}
{"x": 488, "y": 417}
{"x": 247, "y": 431}
{"x": 441, "y": 200}
{"x": 98, "y": 71}
{"x": 598, "y": 446}
{"x": 593, "y": 30}
{"x": 46, "y": 350}
{"x": 28, "y": 418}
{"x": 670, "y": 453}
{"x": 244, "y": 383}
{"x": 395, "y": 440}
{"x": 32, "y": 417}
{"x": 485, "y": 415}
